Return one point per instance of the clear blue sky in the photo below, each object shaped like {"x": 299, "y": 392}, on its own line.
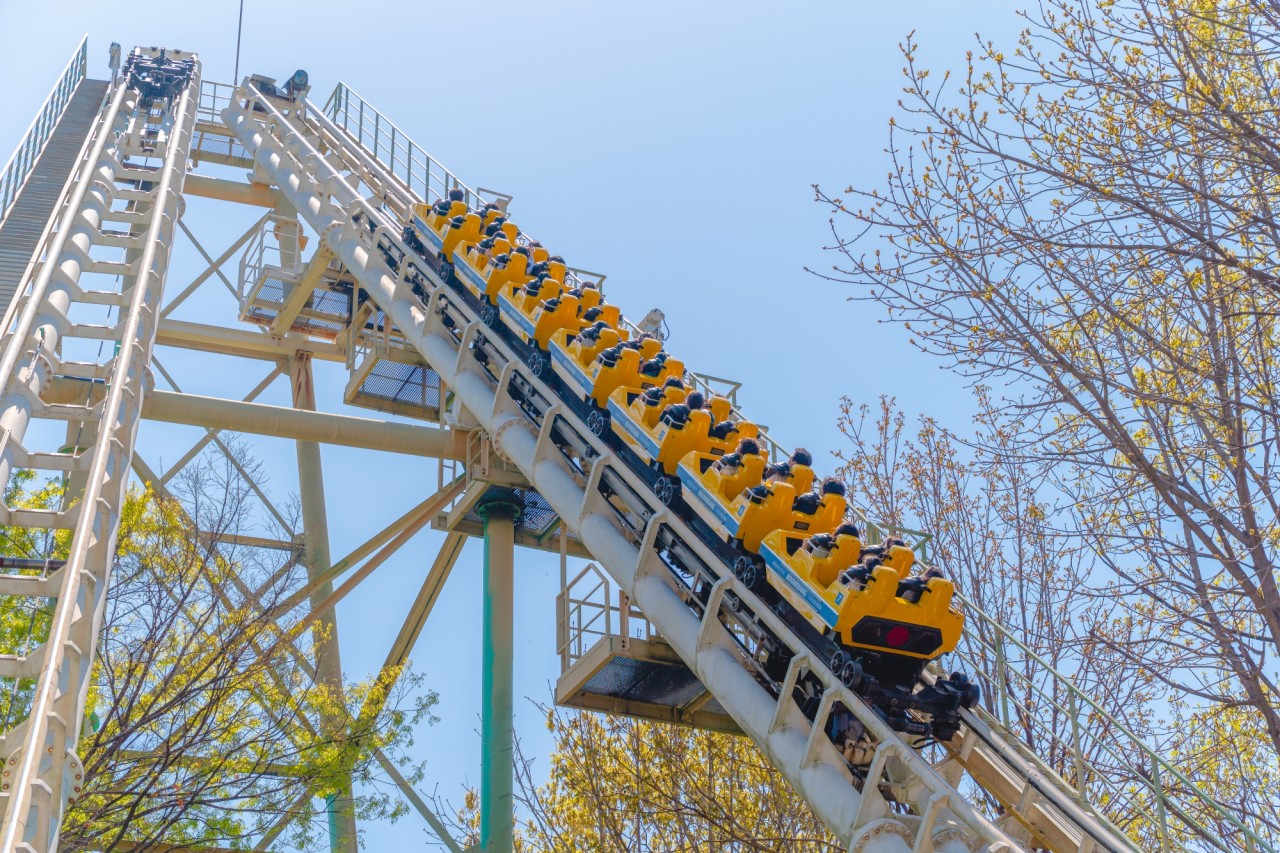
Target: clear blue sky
{"x": 669, "y": 145}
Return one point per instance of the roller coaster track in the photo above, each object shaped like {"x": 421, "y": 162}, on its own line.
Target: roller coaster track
{"x": 353, "y": 178}
{"x": 902, "y": 802}
{"x": 115, "y": 220}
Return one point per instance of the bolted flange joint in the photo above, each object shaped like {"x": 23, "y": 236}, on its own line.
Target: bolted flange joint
{"x": 879, "y": 831}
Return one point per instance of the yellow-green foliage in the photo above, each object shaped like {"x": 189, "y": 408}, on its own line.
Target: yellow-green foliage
{"x": 616, "y": 783}
{"x": 203, "y": 719}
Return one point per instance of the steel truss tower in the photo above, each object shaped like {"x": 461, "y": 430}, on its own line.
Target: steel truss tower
{"x": 91, "y": 207}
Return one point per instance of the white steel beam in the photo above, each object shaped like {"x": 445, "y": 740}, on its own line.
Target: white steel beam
{"x": 243, "y": 343}
{"x": 302, "y": 425}
{"x": 240, "y": 192}
{"x": 328, "y": 661}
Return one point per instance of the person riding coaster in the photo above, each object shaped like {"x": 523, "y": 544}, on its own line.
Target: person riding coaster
{"x": 766, "y": 506}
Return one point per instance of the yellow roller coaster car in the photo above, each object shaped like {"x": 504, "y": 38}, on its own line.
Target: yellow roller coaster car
{"x": 462, "y": 231}
{"x": 876, "y": 609}
{"x": 571, "y": 360}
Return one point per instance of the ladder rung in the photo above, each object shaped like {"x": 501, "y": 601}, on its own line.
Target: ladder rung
{"x": 138, "y": 173}
{"x": 94, "y": 332}
{"x": 39, "y": 519}
{"x": 67, "y": 412}
{"x": 110, "y": 267}
{"x": 118, "y": 241}
{"x": 85, "y": 369}
{"x": 23, "y": 666}
{"x": 133, "y": 194}
{"x": 130, "y": 216}
{"x": 31, "y": 586}
{"x": 56, "y": 461}
{"x": 100, "y": 297}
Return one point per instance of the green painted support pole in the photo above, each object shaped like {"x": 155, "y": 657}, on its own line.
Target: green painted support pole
{"x": 500, "y": 509}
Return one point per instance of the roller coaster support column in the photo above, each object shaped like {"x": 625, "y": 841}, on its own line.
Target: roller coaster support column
{"x": 500, "y": 509}
{"x": 315, "y": 526}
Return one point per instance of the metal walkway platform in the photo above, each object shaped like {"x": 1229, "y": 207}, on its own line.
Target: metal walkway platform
{"x": 612, "y": 660}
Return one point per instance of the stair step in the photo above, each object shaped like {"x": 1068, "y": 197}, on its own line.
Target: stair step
{"x": 23, "y": 223}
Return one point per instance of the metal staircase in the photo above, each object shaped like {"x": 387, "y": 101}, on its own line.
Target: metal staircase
{"x": 33, "y": 180}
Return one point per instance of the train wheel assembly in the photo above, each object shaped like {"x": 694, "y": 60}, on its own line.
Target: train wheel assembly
{"x": 598, "y": 423}
{"x": 667, "y": 490}
{"x": 538, "y": 364}
{"x": 970, "y": 692}
{"x": 850, "y": 674}
{"x": 749, "y": 572}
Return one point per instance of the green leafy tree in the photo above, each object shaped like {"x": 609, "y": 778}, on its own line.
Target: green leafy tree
{"x": 203, "y": 724}
{"x": 616, "y": 783}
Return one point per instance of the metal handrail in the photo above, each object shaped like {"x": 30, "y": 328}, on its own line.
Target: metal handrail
{"x": 213, "y": 97}
{"x": 583, "y": 603}
{"x": 424, "y": 177}
{"x": 23, "y": 159}
{"x": 1169, "y": 807}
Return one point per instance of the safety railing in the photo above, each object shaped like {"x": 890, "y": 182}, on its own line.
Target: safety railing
{"x": 265, "y": 250}
{"x": 424, "y": 178}
{"x": 421, "y": 173}
{"x": 1105, "y": 763}
{"x": 24, "y": 158}
{"x": 589, "y": 609}
{"x": 214, "y": 97}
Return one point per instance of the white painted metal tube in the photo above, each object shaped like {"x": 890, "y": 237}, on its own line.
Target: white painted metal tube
{"x": 42, "y": 319}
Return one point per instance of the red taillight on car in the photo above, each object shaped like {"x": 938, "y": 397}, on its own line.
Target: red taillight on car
{"x": 898, "y": 636}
